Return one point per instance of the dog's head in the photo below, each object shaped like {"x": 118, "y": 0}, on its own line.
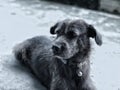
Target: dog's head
{"x": 72, "y": 37}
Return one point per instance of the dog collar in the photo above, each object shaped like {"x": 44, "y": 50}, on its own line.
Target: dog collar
{"x": 79, "y": 73}
{"x": 80, "y": 68}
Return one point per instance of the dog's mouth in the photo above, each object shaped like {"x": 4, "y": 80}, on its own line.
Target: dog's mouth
{"x": 61, "y": 55}
{"x": 57, "y": 54}
{"x": 61, "y": 59}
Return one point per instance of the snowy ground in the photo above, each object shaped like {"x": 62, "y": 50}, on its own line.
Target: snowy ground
{"x": 22, "y": 19}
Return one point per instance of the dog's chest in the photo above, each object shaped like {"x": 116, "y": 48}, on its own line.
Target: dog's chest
{"x": 78, "y": 68}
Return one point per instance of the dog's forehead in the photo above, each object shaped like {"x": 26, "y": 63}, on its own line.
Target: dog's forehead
{"x": 78, "y": 23}
{"x": 77, "y": 26}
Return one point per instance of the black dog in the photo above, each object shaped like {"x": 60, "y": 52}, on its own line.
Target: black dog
{"x": 61, "y": 63}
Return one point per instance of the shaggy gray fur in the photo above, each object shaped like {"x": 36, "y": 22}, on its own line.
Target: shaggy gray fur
{"x": 61, "y": 63}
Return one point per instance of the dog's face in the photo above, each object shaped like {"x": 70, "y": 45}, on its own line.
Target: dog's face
{"x": 72, "y": 37}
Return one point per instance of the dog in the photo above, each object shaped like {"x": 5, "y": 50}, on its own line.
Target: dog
{"x": 62, "y": 62}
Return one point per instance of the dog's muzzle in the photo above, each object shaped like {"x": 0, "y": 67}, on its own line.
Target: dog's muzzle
{"x": 58, "y": 48}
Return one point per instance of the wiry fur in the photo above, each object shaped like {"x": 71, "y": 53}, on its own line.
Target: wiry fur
{"x": 58, "y": 62}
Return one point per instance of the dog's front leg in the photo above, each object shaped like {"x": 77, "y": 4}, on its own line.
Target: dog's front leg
{"x": 60, "y": 76}
{"x": 58, "y": 84}
{"x": 57, "y": 81}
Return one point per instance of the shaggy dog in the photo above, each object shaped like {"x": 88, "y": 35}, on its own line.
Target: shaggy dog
{"x": 61, "y": 63}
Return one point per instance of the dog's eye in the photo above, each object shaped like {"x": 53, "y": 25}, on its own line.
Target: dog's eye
{"x": 71, "y": 34}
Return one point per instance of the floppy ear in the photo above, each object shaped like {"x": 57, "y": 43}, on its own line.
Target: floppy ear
{"x": 53, "y": 28}
{"x": 94, "y": 34}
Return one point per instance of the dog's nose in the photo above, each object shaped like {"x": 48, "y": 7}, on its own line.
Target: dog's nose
{"x": 55, "y": 48}
{"x": 58, "y": 48}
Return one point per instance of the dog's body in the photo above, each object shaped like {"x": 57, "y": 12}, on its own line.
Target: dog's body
{"x": 61, "y": 63}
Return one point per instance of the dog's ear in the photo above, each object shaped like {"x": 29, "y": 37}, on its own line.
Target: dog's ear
{"x": 53, "y": 28}
{"x": 94, "y": 34}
